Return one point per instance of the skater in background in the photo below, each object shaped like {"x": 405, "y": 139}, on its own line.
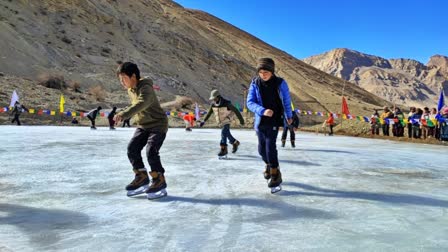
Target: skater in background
{"x": 75, "y": 121}
{"x": 152, "y": 126}
{"x": 224, "y": 112}
{"x": 330, "y": 123}
{"x": 269, "y": 99}
{"x": 375, "y": 123}
{"x": 92, "y": 116}
{"x": 110, "y": 117}
{"x": 291, "y": 128}
{"x": 189, "y": 121}
{"x": 17, "y": 111}
{"x": 126, "y": 123}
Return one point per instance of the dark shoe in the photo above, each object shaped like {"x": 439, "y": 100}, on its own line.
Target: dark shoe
{"x": 293, "y": 143}
{"x": 267, "y": 172}
{"x": 276, "y": 178}
{"x": 158, "y": 182}
{"x": 235, "y": 146}
{"x": 283, "y": 143}
{"x": 141, "y": 179}
{"x": 223, "y": 150}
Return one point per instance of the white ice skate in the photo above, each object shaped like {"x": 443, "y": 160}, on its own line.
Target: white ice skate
{"x": 222, "y": 157}
{"x": 276, "y": 189}
{"x": 156, "y": 195}
{"x": 138, "y": 191}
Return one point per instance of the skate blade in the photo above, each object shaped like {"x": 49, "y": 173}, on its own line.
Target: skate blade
{"x": 160, "y": 194}
{"x": 222, "y": 157}
{"x": 276, "y": 189}
{"x": 137, "y": 191}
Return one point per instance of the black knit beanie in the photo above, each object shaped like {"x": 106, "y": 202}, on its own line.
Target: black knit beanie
{"x": 266, "y": 64}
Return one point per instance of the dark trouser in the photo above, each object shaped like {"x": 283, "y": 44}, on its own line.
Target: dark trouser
{"x": 410, "y": 130}
{"x": 92, "y": 121}
{"x": 398, "y": 130}
{"x": 374, "y": 129}
{"x": 385, "y": 129}
{"x": 331, "y": 129}
{"x": 290, "y": 128}
{"x": 126, "y": 122}
{"x": 417, "y": 132}
{"x": 225, "y": 133}
{"x": 153, "y": 141}
{"x": 111, "y": 122}
{"x": 267, "y": 136}
{"x": 16, "y": 119}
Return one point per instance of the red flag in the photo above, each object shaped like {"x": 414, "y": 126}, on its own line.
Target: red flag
{"x": 345, "y": 107}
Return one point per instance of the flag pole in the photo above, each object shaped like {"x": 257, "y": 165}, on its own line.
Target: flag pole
{"x": 343, "y": 89}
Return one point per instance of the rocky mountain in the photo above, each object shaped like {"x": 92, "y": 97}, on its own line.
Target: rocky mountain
{"x": 187, "y": 53}
{"x": 401, "y": 81}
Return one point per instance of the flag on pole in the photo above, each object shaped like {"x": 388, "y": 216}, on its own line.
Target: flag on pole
{"x": 14, "y": 98}
{"x": 196, "y": 112}
{"x": 292, "y": 106}
{"x": 440, "y": 105}
{"x": 61, "y": 104}
{"x": 345, "y": 110}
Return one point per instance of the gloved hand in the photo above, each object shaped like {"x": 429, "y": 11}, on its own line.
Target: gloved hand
{"x": 201, "y": 124}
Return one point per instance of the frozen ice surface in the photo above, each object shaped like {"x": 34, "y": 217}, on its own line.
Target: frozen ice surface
{"x": 62, "y": 188}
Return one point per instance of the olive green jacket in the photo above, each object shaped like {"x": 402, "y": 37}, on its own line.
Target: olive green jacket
{"x": 145, "y": 107}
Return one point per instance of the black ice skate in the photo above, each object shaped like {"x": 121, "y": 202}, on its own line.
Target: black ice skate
{"x": 140, "y": 183}
{"x": 93, "y": 128}
{"x": 293, "y": 144}
{"x": 223, "y": 152}
{"x": 235, "y": 146}
{"x": 276, "y": 180}
{"x": 158, "y": 186}
{"x": 283, "y": 143}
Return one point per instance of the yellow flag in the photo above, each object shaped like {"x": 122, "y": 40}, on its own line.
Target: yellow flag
{"x": 73, "y": 113}
{"x": 292, "y": 106}
{"x": 31, "y": 111}
{"x": 53, "y": 112}
{"x": 61, "y": 104}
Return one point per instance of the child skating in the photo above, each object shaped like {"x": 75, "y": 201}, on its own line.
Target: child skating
{"x": 269, "y": 99}
{"x": 152, "y": 126}
{"x": 224, "y": 112}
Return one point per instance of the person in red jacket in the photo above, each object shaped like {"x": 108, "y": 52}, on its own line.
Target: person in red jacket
{"x": 189, "y": 121}
{"x": 330, "y": 123}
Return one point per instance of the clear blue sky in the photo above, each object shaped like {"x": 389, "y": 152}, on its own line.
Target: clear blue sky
{"x": 387, "y": 28}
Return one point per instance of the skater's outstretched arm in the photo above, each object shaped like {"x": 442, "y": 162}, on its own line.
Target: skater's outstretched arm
{"x": 237, "y": 112}
{"x": 209, "y": 113}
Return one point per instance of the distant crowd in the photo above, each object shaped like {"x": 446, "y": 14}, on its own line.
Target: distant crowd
{"x": 420, "y": 123}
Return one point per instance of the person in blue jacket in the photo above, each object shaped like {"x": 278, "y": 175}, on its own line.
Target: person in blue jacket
{"x": 269, "y": 99}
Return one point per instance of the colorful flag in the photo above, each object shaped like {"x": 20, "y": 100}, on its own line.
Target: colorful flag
{"x": 345, "y": 106}
{"x": 292, "y": 106}
{"x": 61, "y": 104}
{"x": 196, "y": 111}
{"x": 14, "y": 98}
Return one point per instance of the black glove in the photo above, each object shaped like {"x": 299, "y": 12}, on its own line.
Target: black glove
{"x": 201, "y": 124}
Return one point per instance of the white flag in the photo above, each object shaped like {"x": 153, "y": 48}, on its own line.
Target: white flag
{"x": 14, "y": 98}
{"x": 197, "y": 112}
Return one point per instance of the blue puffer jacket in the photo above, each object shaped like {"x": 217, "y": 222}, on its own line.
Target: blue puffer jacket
{"x": 255, "y": 104}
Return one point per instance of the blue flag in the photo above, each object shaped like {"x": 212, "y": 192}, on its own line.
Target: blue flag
{"x": 440, "y": 106}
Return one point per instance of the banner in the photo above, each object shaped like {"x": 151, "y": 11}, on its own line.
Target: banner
{"x": 14, "y": 99}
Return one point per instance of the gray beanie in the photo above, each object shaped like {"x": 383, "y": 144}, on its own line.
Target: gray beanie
{"x": 266, "y": 64}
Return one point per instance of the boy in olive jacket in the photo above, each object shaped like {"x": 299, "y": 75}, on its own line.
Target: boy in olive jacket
{"x": 152, "y": 126}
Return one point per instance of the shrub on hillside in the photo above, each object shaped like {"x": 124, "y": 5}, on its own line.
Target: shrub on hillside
{"x": 52, "y": 81}
{"x": 98, "y": 92}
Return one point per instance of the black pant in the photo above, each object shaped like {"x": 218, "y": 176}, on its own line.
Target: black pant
{"x": 225, "y": 133}
{"x": 16, "y": 119}
{"x": 267, "y": 148}
{"x": 289, "y": 128}
{"x": 385, "y": 129}
{"x": 153, "y": 141}
{"x": 126, "y": 122}
{"x": 91, "y": 121}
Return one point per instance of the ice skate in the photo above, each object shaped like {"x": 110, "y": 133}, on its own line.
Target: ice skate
{"x": 188, "y": 129}
{"x": 293, "y": 144}
{"x": 158, "y": 186}
{"x": 223, "y": 152}
{"x": 283, "y": 143}
{"x": 275, "y": 181}
{"x": 267, "y": 172}
{"x": 140, "y": 183}
{"x": 235, "y": 146}
{"x": 93, "y": 128}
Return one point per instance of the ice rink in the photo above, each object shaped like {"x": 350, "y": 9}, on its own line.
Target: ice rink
{"x": 62, "y": 188}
